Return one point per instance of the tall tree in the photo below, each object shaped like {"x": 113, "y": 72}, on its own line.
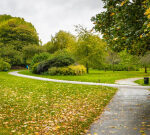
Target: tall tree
{"x": 90, "y": 48}
{"x": 62, "y": 40}
{"x": 145, "y": 61}
{"x": 15, "y": 34}
{"x": 122, "y": 25}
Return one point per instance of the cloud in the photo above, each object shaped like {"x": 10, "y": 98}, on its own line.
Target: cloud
{"x": 49, "y": 16}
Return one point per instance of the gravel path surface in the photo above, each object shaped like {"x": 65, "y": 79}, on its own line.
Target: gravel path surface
{"x": 128, "y": 113}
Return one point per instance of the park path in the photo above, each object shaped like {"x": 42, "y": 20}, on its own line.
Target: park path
{"x": 128, "y": 113}
{"x": 119, "y": 85}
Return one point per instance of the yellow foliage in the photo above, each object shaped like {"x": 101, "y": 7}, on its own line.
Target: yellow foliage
{"x": 115, "y": 38}
{"x": 141, "y": 36}
{"x": 122, "y": 3}
{"x": 148, "y": 25}
{"x": 112, "y": 14}
{"x": 78, "y": 69}
{"x": 147, "y": 11}
{"x": 70, "y": 70}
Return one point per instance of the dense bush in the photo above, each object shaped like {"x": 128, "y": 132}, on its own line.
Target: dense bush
{"x": 34, "y": 68}
{"x": 39, "y": 58}
{"x": 59, "y": 61}
{"x": 4, "y": 66}
{"x": 69, "y": 70}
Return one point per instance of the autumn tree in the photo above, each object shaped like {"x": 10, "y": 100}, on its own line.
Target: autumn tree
{"x": 123, "y": 25}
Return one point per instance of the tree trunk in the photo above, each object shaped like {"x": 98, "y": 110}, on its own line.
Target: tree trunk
{"x": 145, "y": 69}
{"x": 87, "y": 68}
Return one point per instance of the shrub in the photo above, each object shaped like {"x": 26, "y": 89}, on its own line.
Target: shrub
{"x": 59, "y": 61}
{"x": 39, "y": 58}
{"x": 69, "y": 70}
{"x": 34, "y": 68}
{"x": 4, "y": 66}
{"x": 77, "y": 70}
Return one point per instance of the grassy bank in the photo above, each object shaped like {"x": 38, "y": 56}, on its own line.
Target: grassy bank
{"x": 96, "y": 76}
{"x": 31, "y": 106}
{"x": 141, "y": 82}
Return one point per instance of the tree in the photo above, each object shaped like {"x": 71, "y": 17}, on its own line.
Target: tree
{"x": 122, "y": 25}
{"x": 29, "y": 51}
{"x": 10, "y": 55}
{"x": 15, "y": 34}
{"x": 90, "y": 48}
{"x": 62, "y": 40}
{"x": 145, "y": 61}
{"x": 127, "y": 59}
{"x": 112, "y": 58}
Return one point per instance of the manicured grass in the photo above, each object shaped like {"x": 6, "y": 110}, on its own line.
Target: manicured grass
{"x": 30, "y": 106}
{"x": 141, "y": 82}
{"x": 96, "y": 76}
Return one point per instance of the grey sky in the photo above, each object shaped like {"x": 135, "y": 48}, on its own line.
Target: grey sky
{"x": 50, "y": 16}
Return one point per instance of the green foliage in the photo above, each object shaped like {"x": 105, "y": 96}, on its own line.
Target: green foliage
{"x": 70, "y": 70}
{"x": 62, "y": 40}
{"x": 90, "y": 49}
{"x": 15, "y": 34}
{"x": 34, "y": 68}
{"x": 29, "y": 52}
{"x": 145, "y": 61}
{"x": 10, "y": 55}
{"x": 30, "y": 106}
{"x": 57, "y": 61}
{"x": 78, "y": 69}
{"x": 4, "y": 66}
{"x": 128, "y": 60}
{"x": 39, "y": 58}
{"x": 121, "y": 67}
{"x": 122, "y": 25}
{"x": 61, "y": 61}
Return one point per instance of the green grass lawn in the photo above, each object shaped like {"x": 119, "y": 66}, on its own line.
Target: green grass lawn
{"x": 37, "y": 107}
{"x": 96, "y": 76}
{"x": 141, "y": 82}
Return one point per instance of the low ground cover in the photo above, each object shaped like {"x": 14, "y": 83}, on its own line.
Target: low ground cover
{"x": 30, "y": 106}
{"x": 96, "y": 76}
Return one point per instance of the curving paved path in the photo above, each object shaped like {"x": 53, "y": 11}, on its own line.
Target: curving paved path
{"x": 119, "y": 85}
{"x": 129, "y": 81}
{"x": 128, "y": 113}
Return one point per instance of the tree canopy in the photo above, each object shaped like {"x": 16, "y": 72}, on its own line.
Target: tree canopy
{"x": 124, "y": 25}
{"x": 62, "y": 40}
{"x": 15, "y": 34}
{"x": 90, "y": 49}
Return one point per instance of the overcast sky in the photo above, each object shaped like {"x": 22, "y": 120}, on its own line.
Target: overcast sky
{"x": 50, "y": 16}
